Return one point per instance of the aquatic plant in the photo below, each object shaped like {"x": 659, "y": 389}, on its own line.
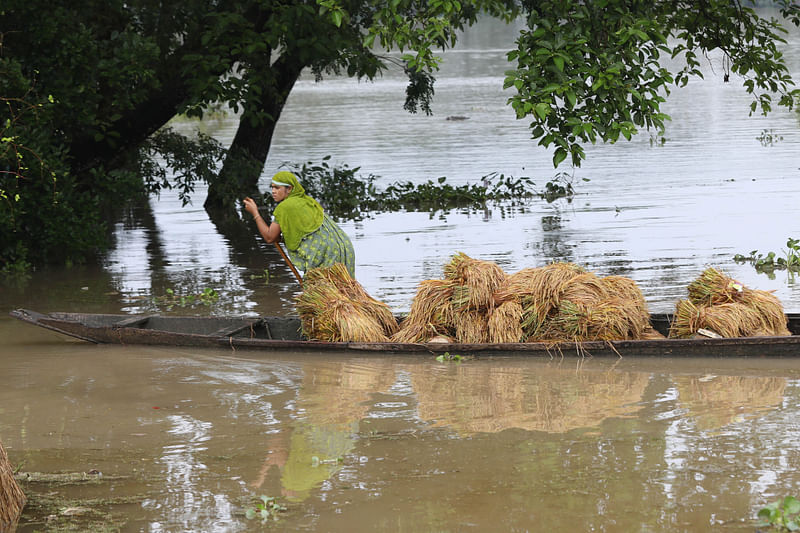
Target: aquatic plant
{"x": 772, "y": 261}
{"x": 447, "y": 357}
{"x": 172, "y": 299}
{"x": 346, "y": 196}
{"x": 781, "y": 515}
{"x": 266, "y": 509}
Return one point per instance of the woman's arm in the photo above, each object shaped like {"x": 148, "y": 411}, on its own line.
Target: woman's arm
{"x": 270, "y": 232}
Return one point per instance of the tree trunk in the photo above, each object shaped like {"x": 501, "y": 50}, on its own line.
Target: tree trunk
{"x": 250, "y": 147}
{"x": 12, "y": 499}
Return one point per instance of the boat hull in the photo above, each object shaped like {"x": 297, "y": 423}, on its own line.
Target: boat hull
{"x": 283, "y": 334}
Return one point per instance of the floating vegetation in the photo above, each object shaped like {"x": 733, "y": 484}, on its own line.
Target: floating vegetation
{"x": 172, "y": 299}
{"x": 769, "y": 263}
{"x": 266, "y": 509}
{"x": 346, "y": 196}
{"x": 769, "y": 137}
{"x": 448, "y": 357}
{"x": 782, "y": 515}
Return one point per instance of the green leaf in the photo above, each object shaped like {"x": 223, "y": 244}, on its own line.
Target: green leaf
{"x": 791, "y": 505}
{"x": 559, "y": 156}
{"x": 542, "y": 110}
{"x": 559, "y": 62}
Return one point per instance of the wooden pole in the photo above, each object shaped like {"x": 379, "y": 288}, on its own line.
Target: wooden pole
{"x": 289, "y": 263}
{"x": 12, "y": 499}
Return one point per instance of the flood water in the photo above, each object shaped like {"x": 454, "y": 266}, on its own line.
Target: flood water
{"x": 167, "y": 439}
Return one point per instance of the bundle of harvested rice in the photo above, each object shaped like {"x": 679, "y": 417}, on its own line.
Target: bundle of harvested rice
{"x": 431, "y": 313}
{"x": 769, "y": 308}
{"x": 586, "y": 289}
{"x": 627, "y": 289}
{"x": 412, "y": 331}
{"x": 732, "y": 319}
{"x": 541, "y": 284}
{"x": 505, "y": 323}
{"x": 685, "y": 321}
{"x": 471, "y": 327}
{"x": 335, "y": 307}
{"x": 12, "y": 499}
{"x": 609, "y": 319}
{"x": 475, "y": 281}
{"x": 724, "y": 306}
{"x": 538, "y": 291}
{"x": 713, "y": 287}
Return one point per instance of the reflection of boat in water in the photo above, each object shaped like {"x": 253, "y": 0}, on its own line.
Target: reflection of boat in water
{"x": 488, "y": 399}
{"x": 716, "y": 401}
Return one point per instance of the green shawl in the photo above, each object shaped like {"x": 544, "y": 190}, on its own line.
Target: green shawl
{"x": 298, "y": 214}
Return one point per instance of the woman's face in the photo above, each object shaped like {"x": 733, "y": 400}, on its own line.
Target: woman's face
{"x": 279, "y": 192}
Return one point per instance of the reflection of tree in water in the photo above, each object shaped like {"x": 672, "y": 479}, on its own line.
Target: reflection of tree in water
{"x": 482, "y": 399}
{"x": 331, "y": 401}
{"x": 715, "y": 401}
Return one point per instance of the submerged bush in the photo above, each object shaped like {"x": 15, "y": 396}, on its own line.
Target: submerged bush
{"x": 347, "y": 196}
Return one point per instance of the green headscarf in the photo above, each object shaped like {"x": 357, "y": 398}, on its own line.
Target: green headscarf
{"x": 298, "y": 214}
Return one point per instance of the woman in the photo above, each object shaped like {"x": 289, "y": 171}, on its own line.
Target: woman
{"x": 312, "y": 238}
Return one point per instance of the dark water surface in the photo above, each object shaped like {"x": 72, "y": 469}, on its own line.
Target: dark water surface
{"x": 185, "y": 439}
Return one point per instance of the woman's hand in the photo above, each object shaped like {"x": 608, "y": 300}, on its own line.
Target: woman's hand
{"x": 251, "y": 207}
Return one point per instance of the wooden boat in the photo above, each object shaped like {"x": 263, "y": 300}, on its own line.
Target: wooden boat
{"x": 283, "y": 334}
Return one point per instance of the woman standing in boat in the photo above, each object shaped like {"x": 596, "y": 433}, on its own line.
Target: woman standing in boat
{"x": 312, "y": 238}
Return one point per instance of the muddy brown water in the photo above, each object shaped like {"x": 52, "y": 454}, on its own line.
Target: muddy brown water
{"x": 169, "y": 440}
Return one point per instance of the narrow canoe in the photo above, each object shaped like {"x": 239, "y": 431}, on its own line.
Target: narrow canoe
{"x": 283, "y": 333}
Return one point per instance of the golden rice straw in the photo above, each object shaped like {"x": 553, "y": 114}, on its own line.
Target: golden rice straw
{"x": 586, "y": 289}
{"x": 417, "y": 332}
{"x": 505, "y": 323}
{"x": 612, "y": 319}
{"x": 727, "y": 319}
{"x": 713, "y": 287}
{"x": 311, "y": 305}
{"x": 12, "y": 499}
{"x": 334, "y": 307}
{"x": 431, "y": 313}
{"x": 472, "y": 327}
{"x": 542, "y": 283}
{"x": 479, "y": 279}
{"x": 354, "y": 324}
{"x": 685, "y": 321}
{"x": 627, "y": 289}
{"x": 538, "y": 290}
{"x": 338, "y": 275}
{"x": 732, "y": 320}
{"x": 769, "y": 308}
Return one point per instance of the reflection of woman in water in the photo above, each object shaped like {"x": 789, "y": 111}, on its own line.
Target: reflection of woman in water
{"x": 335, "y": 398}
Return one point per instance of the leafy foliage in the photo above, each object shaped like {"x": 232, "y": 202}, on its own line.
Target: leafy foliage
{"x": 346, "y": 196}
{"x": 771, "y": 262}
{"x": 589, "y": 71}
{"x": 171, "y": 299}
{"x": 782, "y": 515}
{"x": 92, "y": 83}
{"x": 266, "y": 509}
